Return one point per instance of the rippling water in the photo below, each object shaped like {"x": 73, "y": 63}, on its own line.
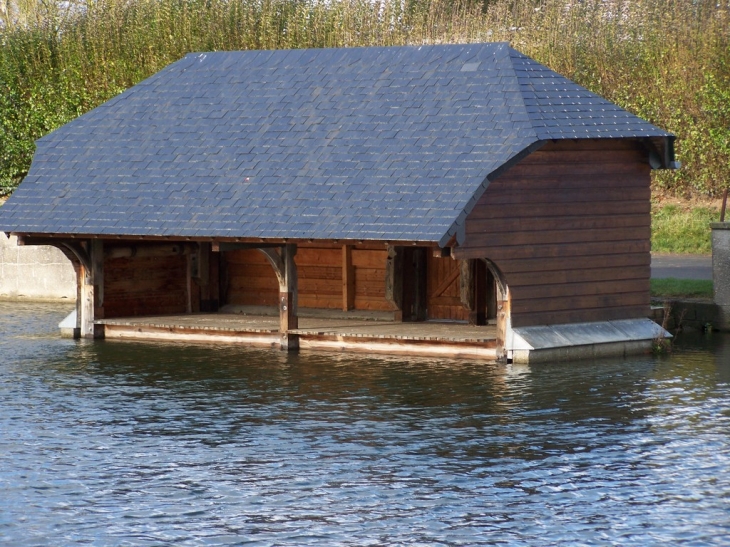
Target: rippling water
{"x": 114, "y": 443}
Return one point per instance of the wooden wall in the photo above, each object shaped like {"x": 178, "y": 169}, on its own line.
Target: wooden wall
{"x": 251, "y": 280}
{"x": 569, "y": 227}
{"x": 153, "y": 285}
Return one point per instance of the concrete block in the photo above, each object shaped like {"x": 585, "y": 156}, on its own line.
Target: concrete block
{"x": 34, "y": 272}
{"x": 580, "y": 341}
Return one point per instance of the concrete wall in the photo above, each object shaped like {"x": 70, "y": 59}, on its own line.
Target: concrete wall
{"x": 721, "y": 271}
{"x": 34, "y": 272}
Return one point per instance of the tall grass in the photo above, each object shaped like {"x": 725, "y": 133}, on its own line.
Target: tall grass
{"x": 675, "y": 229}
{"x": 668, "y": 62}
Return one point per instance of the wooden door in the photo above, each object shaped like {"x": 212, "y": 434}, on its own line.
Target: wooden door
{"x": 444, "y": 290}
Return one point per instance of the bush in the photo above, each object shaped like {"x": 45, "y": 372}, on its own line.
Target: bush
{"x": 665, "y": 61}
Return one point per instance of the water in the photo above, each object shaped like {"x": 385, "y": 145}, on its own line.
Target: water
{"x": 116, "y": 443}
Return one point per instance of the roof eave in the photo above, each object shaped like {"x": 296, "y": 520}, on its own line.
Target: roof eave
{"x": 456, "y": 234}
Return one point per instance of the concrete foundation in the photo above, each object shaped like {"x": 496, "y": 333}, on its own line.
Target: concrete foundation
{"x": 721, "y": 273}
{"x": 554, "y": 343}
{"x": 34, "y": 273}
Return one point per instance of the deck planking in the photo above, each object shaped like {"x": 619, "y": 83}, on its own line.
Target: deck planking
{"x": 431, "y": 338}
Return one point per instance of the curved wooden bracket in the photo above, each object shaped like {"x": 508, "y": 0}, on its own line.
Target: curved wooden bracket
{"x": 76, "y": 252}
{"x": 504, "y": 309}
{"x": 286, "y": 272}
{"x": 499, "y": 278}
{"x": 276, "y": 261}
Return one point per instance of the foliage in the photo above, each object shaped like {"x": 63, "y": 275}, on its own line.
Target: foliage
{"x": 682, "y": 231}
{"x": 681, "y": 288}
{"x": 668, "y": 62}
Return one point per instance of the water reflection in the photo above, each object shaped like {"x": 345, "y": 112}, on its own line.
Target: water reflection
{"x": 149, "y": 444}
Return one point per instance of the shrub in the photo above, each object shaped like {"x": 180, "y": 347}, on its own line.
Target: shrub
{"x": 665, "y": 61}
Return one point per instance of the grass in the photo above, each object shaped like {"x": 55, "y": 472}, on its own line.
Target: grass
{"x": 682, "y": 230}
{"x": 681, "y": 288}
{"x": 668, "y": 62}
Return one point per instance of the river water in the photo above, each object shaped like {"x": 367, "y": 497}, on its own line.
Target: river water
{"x": 120, "y": 443}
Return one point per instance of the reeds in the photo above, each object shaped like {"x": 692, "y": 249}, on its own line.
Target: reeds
{"x": 668, "y": 62}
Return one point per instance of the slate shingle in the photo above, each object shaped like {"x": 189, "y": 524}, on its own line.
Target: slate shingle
{"x": 371, "y": 143}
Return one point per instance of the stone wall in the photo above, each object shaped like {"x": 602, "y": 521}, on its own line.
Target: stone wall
{"x": 34, "y": 272}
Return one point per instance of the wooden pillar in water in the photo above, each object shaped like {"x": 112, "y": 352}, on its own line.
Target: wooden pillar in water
{"x": 286, "y": 272}
{"x": 288, "y": 299}
{"x": 90, "y": 291}
{"x": 503, "y": 323}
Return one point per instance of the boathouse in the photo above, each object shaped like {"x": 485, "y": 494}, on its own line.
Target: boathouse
{"x": 446, "y": 199}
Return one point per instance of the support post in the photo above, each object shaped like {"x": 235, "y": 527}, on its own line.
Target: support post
{"x": 96, "y": 255}
{"x": 394, "y": 280}
{"x": 466, "y": 287}
{"x": 189, "y": 283}
{"x": 348, "y": 279}
{"x": 90, "y": 292}
{"x": 288, "y": 300}
{"x": 204, "y": 279}
{"x": 84, "y": 302}
{"x": 286, "y": 272}
{"x": 503, "y": 325}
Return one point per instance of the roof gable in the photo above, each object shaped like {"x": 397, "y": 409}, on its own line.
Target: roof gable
{"x": 389, "y": 143}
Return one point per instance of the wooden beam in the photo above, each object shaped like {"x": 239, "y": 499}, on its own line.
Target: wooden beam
{"x": 88, "y": 301}
{"x": 503, "y": 323}
{"x": 96, "y": 255}
{"x": 394, "y": 280}
{"x": 288, "y": 300}
{"x": 189, "y": 283}
{"x": 208, "y": 277}
{"x": 224, "y": 247}
{"x": 286, "y": 273}
{"x": 348, "y": 279}
{"x": 148, "y": 250}
{"x": 466, "y": 284}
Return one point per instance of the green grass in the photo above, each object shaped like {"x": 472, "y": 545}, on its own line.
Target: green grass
{"x": 682, "y": 231}
{"x": 668, "y": 62}
{"x": 688, "y": 288}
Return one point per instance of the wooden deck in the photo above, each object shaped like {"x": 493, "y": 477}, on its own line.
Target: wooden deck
{"x": 333, "y": 333}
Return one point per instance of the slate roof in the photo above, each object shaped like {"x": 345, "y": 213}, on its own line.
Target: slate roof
{"x": 391, "y": 143}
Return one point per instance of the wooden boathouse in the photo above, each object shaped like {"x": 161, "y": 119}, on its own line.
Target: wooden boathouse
{"x": 440, "y": 200}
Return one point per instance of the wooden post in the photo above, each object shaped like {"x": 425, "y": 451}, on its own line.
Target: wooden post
{"x": 503, "y": 320}
{"x": 394, "y": 280}
{"x": 288, "y": 300}
{"x": 84, "y": 302}
{"x": 466, "y": 287}
{"x": 286, "y": 272}
{"x": 90, "y": 290}
{"x": 96, "y": 255}
{"x": 201, "y": 275}
{"x": 348, "y": 279}
{"x": 189, "y": 283}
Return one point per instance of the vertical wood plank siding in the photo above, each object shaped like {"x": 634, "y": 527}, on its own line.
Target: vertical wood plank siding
{"x": 251, "y": 281}
{"x": 145, "y": 286}
{"x": 444, "y": 289}
{"x": 569, "y": 227}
